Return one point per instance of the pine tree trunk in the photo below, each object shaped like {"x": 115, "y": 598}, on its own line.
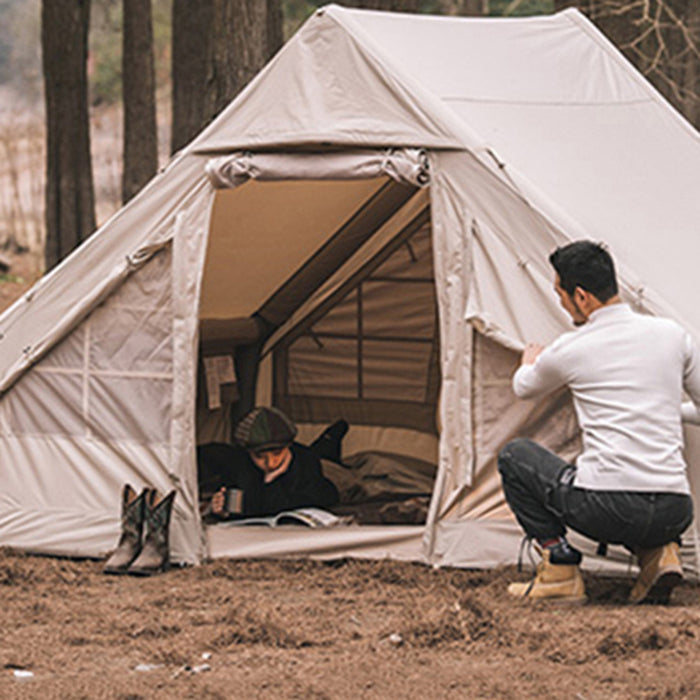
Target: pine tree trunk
{"x": 189, "y": 69}
{"x": 242, "y": 36}
{"x": 138, "y": 78}
{"x": 275, "y": 27}
{"x": 70, "y": 209}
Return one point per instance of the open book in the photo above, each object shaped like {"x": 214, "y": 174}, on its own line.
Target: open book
{"x": 311, "y": 517}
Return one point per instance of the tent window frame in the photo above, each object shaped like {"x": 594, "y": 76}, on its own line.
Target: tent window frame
{"x": 359, "y": 409}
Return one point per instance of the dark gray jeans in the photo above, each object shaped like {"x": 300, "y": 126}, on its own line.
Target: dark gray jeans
{"x": 539, "y": 489}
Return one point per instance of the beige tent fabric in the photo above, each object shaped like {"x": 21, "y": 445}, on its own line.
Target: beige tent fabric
{"x": 103, "y": 394}
{"x": 302, "y": 98}
{"x": 362, "y": 541}
{"x": 403, "y": 165}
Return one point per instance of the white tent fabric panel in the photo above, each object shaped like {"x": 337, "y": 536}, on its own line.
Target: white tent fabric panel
{"x": 100, "y": 390}
{"x": 498, "y": 416}
{"x": 545, "y": 59}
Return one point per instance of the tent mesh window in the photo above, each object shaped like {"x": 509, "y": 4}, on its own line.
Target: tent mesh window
{"x": 373, "y": 357}
{"x": 111, "y": 378}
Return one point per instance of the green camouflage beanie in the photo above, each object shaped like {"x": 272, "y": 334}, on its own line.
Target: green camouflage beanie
{"x": 264, "y": 429}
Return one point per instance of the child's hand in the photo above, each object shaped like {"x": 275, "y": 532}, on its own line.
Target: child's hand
{"x": 218, "y": 501}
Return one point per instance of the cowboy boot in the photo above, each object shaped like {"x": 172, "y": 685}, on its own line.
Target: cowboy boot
{"x": 660, "y": 572}
{"x": 559, "y": 582}
{"x": 155, "y": 554}
{"x": 129, "y": 545}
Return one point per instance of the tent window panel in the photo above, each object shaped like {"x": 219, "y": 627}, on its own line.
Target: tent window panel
{"x": 395, "y": 370}
{"x": 341, "y": 319}
{"x": 69, "y": 353}
{"x": 130, "y": 408}
{"x": 398, "y": 309}
{"x": 323, "y": 367}
{"x": 46, "y": 403}
{"x": 132, "y": 340}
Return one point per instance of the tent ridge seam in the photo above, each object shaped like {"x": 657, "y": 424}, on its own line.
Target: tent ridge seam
{"x": 547, "y": 103}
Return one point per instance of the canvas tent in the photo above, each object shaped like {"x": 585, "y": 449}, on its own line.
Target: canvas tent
{"x": 366, "y": 229}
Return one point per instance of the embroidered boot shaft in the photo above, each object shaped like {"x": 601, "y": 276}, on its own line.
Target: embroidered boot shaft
{"x": 129, "y": 546}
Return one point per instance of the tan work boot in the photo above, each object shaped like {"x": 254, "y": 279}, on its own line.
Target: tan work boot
{"x": 659, "y": 573}
{"x": 556, "y": 582}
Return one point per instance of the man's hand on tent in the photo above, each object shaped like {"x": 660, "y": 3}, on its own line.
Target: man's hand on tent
{"x": 531, "y": 353}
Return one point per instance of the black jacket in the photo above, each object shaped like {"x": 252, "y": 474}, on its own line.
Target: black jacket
{"x": 303, "y": 484}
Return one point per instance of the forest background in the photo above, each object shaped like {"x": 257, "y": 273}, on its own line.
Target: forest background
{"x": 191, "y": 80}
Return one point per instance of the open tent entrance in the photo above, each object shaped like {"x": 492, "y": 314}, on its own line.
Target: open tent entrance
{"x": 320, "y": 294}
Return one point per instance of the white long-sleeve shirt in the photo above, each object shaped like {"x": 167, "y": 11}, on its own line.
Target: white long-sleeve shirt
{"x": 626, "y": 373}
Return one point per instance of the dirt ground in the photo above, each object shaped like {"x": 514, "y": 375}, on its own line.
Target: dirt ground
{"x": 339, "y": 629}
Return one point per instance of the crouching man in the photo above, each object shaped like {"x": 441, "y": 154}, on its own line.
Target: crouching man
{"x": 629, "y": 486}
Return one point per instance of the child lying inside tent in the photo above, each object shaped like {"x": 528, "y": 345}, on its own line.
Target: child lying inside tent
{"x": 266, "y": 471}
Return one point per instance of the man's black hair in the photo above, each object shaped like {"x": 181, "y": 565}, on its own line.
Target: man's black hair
{"x": 587, "y": 265}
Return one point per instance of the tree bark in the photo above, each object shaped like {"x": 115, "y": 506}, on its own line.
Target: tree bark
{"x": 138, "y": 79}
{"x": 473, "y": 8}
{"x": 189, "y": 69}
{"x": 70, "y": 209}
{"x": 242, "y": 36}
{"x": 385, "y": 5}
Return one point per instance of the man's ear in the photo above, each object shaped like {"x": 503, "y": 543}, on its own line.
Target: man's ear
{"x": 580, "y": 295}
